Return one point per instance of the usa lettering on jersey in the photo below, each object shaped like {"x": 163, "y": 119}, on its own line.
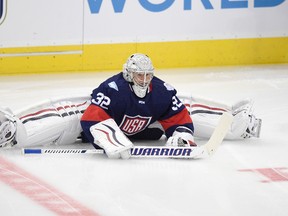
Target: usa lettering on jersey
{"x": 134, "y": 124}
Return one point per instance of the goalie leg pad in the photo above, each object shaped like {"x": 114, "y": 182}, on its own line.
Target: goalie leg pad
{"x": 206, "y": 114}
{"x": 108, "y": 136}
{"x": 49, "y": 123}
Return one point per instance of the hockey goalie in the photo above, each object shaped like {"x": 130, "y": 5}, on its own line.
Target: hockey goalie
{"x": 131, "y": 105}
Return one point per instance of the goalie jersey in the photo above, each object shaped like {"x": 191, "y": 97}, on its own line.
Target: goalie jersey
{"x": 136, "y": 117}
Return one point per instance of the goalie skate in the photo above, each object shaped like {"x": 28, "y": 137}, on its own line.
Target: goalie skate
{"x": 245, "y": 108}
{"x": 254, "y": 127}
{"x": 7, "y": 128}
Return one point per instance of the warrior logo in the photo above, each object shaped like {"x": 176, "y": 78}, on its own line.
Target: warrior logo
{"x": 132, "y": 125}
{"x": 3, "y": 6}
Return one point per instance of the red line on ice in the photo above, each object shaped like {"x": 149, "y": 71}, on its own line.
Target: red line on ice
{"x": 39, "y": 191}
{"x": 277, "y": 174}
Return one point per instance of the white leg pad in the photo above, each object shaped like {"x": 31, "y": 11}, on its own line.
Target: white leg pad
{"x": 50, "y": 123}
{"x": 206, "y": 114}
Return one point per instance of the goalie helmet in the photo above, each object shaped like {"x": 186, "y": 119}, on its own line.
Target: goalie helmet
{"x": 139, "y": 70}
{"x": 7, "y": 129}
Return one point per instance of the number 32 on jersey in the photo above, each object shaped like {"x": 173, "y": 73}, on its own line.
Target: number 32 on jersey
{"x": 176, "y": 103}
{"x": 101, "y": 100}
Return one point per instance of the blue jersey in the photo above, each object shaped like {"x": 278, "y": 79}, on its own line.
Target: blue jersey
{"x": 114, "y": 98}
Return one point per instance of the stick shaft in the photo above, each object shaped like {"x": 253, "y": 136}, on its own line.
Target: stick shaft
{"x": 137, "y": 151}
{"x": 61, "y": 151}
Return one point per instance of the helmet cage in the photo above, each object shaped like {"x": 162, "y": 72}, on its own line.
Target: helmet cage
{"x": 139, "y": 70}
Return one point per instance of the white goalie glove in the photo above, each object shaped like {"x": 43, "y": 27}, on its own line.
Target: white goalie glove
{"x": 182, "y": 137}
{"x": 108, "y": 136}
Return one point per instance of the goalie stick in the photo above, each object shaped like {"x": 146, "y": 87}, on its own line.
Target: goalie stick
{"x": 158, "y": 151}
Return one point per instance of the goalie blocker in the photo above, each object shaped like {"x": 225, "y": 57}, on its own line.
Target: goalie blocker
{"x": 108, "y": 136}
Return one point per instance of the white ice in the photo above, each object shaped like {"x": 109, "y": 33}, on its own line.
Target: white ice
{"x": 163, "y": 187}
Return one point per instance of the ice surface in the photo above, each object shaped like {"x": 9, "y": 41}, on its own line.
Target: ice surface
{"x": 247, "y": 177}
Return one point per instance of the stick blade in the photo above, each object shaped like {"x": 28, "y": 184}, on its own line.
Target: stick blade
{"x": 219, "y": 133}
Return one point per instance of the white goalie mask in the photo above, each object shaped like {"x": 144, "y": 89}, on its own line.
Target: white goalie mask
{"x": 139, "y": 70}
